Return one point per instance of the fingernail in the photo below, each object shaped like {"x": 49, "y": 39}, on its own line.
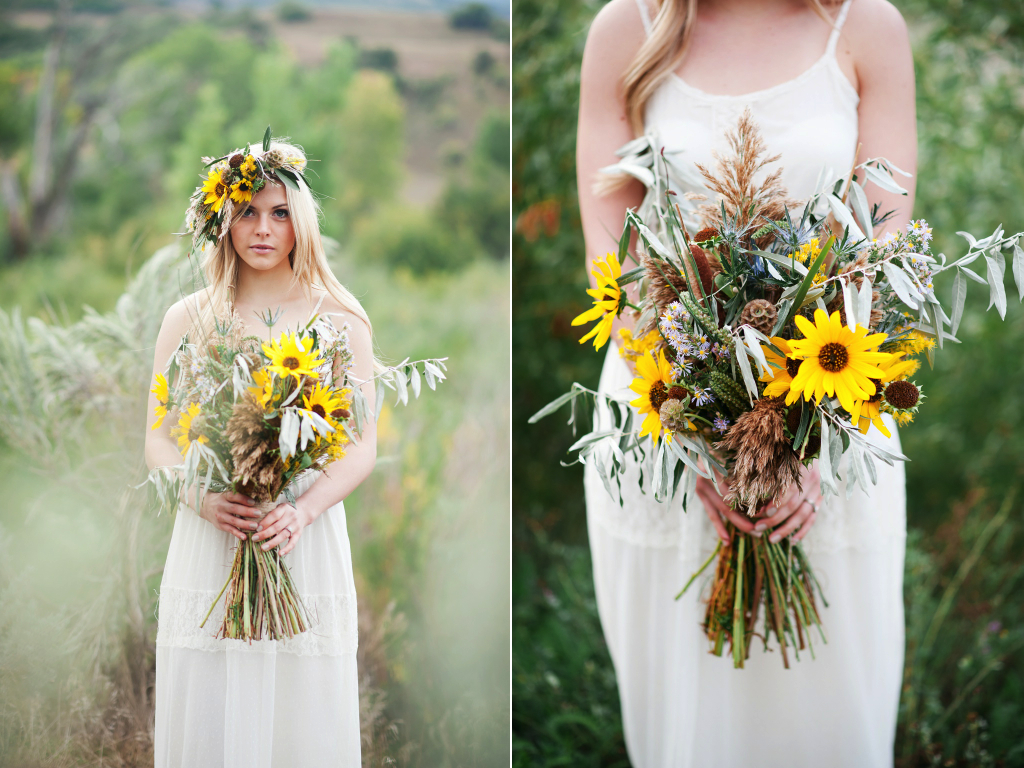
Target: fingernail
{"x": 756, "y": 534}
{"x": 760, "y": 526}
{"x": 774, "y": 538}
{"x": 265, "y": 546}
{"x": 259, "y": 527}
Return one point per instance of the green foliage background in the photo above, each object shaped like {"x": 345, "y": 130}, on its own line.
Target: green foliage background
{"x": 81, "y": 550}
{"x": 963, "y": 697}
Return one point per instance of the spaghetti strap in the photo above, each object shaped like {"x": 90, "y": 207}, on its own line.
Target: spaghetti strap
{"x": 833, "y": 39}
{"x": 317, "y": 307}
{"x": 645, "y": 16}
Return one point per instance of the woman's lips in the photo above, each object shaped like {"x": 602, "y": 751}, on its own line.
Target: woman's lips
{"x": 261, "y": 248}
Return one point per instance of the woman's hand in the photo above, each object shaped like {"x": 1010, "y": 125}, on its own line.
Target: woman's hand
{"x": 716, "y": 509}
{"x": 797, "y": 510}
{"x": 284, "y": 523}
{"x": 230, "y": 512}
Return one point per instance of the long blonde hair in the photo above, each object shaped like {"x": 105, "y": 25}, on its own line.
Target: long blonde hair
{"x": 308, "y": 260}
{"x": 663, "y": 51}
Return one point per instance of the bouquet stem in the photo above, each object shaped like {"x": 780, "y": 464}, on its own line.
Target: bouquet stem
{"x": 752, "y": 573}
{"x": 262, "y": 601}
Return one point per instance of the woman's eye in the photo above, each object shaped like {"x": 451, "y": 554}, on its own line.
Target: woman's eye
{"x": 281, "y": 213}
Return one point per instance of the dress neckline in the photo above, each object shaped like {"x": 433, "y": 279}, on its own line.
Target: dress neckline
{"x": 773, "y": 90}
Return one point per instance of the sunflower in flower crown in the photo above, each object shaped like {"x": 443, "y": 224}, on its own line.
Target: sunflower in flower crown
{"x": 232, "y": 181}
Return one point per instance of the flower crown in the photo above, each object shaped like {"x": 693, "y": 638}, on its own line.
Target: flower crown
{"x": 232, "y": 181}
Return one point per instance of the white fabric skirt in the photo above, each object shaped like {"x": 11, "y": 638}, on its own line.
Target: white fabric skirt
{"x": 265, "y": 704}
{"x": 683, "y": 707}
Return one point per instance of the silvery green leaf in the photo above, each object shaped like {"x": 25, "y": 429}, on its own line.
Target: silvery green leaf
{"x": 403, "y": 392}
{"x": 289, "y": 496}
{"x": 684, "y": 457}
{"x": 358, "y": 409}
{"x": 884, "y": 454}
{"x": 348, "y": 432}
{"x": 289, "y": 433}
{"x": 824, "y": 462}
{"x": 904, "y": 287}
{"x": 658, "y": 479}
{"x": 855, "y": 469}
{"x": 291, "y": 397}
{"x": 996, "y": 275}
{"x": 974, "y": 275}
{"x": 553, "y": 406}
{"x": 379, "y": 405}
{"x": 851, "y": 305}
{"x": 859, "y": 201}
{"x": 1018, "y": 269}
{"x": 844, "y": 217}
{"x": 429, "y": 365}
{"x": 319, "y": 422}
{"x": 638, "y": 172}
{"x": 414, "y": 379}
{"x": 971, "y": 241}
{"x": 784, "y": 261}
{"x": 772, "y": 270}
{"x": 869, "y": 465}
{"x": 648, "y": 236}
{"x": 748, "y": 377}
{"x": 428, "y": 376}
{"x": 864, "y": 301}
{"x": 592, "y": 437}
{"x": 753, "y": 344}
{"x": 884, "y": 180}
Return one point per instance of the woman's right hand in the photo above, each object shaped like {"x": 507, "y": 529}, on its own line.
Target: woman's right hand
{"x": 716, "y": 509}
{"x": 230, "y": 512}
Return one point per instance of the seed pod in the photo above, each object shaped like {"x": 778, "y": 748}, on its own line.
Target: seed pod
{"x": 902, "y": 395}
{"x": 760, "y": 314}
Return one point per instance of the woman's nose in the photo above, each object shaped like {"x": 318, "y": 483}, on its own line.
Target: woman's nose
{"x": 263, "y": 225}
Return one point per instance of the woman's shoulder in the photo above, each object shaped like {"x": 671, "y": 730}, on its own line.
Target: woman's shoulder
{"x": 617, "y": 33}
{"x": 874, "y": 27}
{"x": 181, "y": 314}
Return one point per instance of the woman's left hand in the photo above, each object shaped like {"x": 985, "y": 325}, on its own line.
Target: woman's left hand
{"x": 283, "y": 525}
{"x": 796, "y": 511}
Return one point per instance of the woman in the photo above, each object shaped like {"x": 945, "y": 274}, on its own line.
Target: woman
{"x": 265, "y": 703}
{"x": 819, "y": 81}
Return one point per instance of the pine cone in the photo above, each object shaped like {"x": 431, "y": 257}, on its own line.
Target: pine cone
{"x": 760, "y": 314}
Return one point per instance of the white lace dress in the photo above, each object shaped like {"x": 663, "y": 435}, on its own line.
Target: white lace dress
{"x": 681, "y": 706}
{"x": 265, "y": 704}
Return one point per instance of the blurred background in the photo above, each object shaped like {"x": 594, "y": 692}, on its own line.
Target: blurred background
{"x": 105, "y": 109}
{"x": 963, "y": 697}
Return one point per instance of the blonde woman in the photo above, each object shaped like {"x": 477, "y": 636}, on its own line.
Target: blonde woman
{"x": 223, "y": 703}
{"x": 819, "y": 79}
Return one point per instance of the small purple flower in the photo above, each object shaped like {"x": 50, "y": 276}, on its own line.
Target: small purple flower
{"x": 702, "y": 397}
{"x": 721, "y": 424}
{"x": 721, "y": 352}
{"x": 994, "y": 626}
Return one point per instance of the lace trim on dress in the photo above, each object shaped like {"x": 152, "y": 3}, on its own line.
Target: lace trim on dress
{"x": 334, "y": 625}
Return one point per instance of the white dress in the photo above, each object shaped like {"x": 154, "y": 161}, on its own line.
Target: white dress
{"x": 683, "y": 707}
{"x": 265, "y": 704}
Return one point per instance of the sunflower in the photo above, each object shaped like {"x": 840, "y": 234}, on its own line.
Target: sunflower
{"x": 870, "y": 411}
{"x": 291, "y": 356}
{"x": 160, "y": 390}
{"x": 836, "y": 361}
{"x": 631, "y": 348}
{"x": 607, "y": 298}
{"x": 241, "y": 191}
{"x": 248, "y": 167}
{"x": 216, "y": 190}
{"x": 263, "y": 392}
{"x": 184, "y": 430}
{"x": 783, "y": 369}
{"x": 322, "y": 401}
{"x": 652, "y": 385}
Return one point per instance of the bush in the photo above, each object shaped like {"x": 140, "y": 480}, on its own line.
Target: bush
{"x": 413, "y": 240}
{"x": 384, "y": 59}
{"x": 483, "y": 63}
{"x": 291, "y": 11}
{"x": 471, "y": 16}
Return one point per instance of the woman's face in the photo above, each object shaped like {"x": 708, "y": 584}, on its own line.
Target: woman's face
{"x": 264, "y": 235}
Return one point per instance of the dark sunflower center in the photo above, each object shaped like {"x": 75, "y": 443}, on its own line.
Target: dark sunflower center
{"x": 290, "y": 362}
{"x": 833, "y": 357}
{"x": 193, "y": 435}
{"x": 340, "y": 413}
{"x": 658, "y": 395}
{"x": 220, "y": 190}
{"x": 902, "y": 394}
{"x": 792, "y": 366}
{"x": 319, "y": 410}
{"x": 878, "y": 391}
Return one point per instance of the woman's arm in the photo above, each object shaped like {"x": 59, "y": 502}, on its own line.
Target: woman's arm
{"x": 615, "y": 36}
{"x": 876, "y": 35}
{"x": 161, "y": 449}
{"x": 340, "y": 478}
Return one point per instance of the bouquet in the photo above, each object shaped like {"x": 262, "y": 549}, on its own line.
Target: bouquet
{"x": 251, "y": 417}
{"x": 773, "y": 336}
